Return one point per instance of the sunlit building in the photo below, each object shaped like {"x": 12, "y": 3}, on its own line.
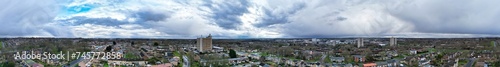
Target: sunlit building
{"x": 204, "y": 44}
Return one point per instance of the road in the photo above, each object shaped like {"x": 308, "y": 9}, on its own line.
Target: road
{"x": 73, "y": 63}
{"x": 186, "y": 61}
{"x": 471, "y": 62}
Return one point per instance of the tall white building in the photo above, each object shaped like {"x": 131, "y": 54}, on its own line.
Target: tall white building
{"x": 360, "y": 42}
{"x": 393, "y": 41}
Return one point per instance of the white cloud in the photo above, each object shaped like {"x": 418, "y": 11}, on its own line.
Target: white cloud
{"x": 27, "y": 18}
{"x": 123, "y": 31}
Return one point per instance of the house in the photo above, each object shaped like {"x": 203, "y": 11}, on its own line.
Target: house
{"x": 169, "y": 54}
{"x": 393, "y": 62}
{"x": 381, "y": 64}
{"x": 388, "y": 63}
{"x": 31, "y": 63}
{"x": 369, "y": 65}
{"x": 341, "y": 65}
{"x": 413, "y": 51}
{"x": 337, "y": 59}
{"x": 359, "y": 58}
{"x": 392, "y": 53}
{"x": 163, "y": 65}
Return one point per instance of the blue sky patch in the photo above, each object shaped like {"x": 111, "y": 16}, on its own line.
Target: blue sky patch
{"x": 79, "y": 9}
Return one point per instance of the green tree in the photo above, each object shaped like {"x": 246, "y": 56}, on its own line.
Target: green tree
{"x": 496, "y": 64}
{"x": 262, "y": 59}
{"x": 232, "y": 53}
{"x": 370, "y": 58}
{"x": 1, "y": 44}
{"x": 105, "y": 63}
{"x": 153, "y": 60}
{"x": 156, "y": 44}
{"x": 327, "y": 59}
{"x": 8, "y": 64}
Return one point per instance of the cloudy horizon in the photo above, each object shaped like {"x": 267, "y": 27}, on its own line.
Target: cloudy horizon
{"x": 249, "y": 18}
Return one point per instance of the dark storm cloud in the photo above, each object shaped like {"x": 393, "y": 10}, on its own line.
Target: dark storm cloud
{"x": 149, "y": 16}
{"x": 143, "y": 17}
{"x": 341, "y": 18}
{"x": 226, "y": 14}
{"x": 278, "y": 18}
{"x": 376, "y": 18}
{"x": 462, "y": 16}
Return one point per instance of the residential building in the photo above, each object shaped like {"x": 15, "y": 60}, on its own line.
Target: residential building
{"x": 163, "y": 65}
{"x": 359, "y": 58}
{"x": 337, "y": 59}
{"x": 31, "y": 63}
{"x": 393, "y": 41}
{"x": 341, "y": 65}
{"x": 388, "y": 63}
{"x": 204, "y": 44}
{"x": 369, "y": 65}
{"x": 413, "y": 51}
{"x": 360, "y": 42}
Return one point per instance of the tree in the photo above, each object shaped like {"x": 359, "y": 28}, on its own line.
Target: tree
{"x": 155, "y": 44}
{"x": 370, "y": 58}
{"x": 262, "y": 58}
{"x": 250, "y": 58}
{"x": 1, "y": 45}
{"x": 496, "y": 64}
{"x": 232, "y": 53}
{"x": 108, "y": 48}
{"x": 8, "y": 64}
{"x": 285, "y": 51}
{"x": 153, "y": 60}
{"x": 327, "y": 60}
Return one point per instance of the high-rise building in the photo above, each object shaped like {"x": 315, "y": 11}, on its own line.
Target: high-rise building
{"x": 393, "y": 41}
{"x": 204, "y": 44}
{"x": 360, "y": 42}
{"x": 494, "y": 44}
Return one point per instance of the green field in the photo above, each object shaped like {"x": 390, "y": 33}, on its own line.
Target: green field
{"x": 105, "y": 65}
{"x": 1, "y": 44}
{"x": 130, "y": 56}
{"x": 492, "y": 43}
{"x": 176, "y": 53}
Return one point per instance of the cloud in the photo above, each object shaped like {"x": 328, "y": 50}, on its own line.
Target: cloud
{"x": 28, "y": 18}
{"x": 123, "y": 31}
{"x": 380, "y": 18}
{"x": 272, "y": 16}
{"x": 175, "y": 18}
{"x": 225, "y": 13}
{"x": 463, "y": 16}
{"x": 249, "y": 19}
{"x": 342, "y": 18}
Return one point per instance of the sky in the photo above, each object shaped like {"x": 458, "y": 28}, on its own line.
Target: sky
{"x": 249, "y": 18}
